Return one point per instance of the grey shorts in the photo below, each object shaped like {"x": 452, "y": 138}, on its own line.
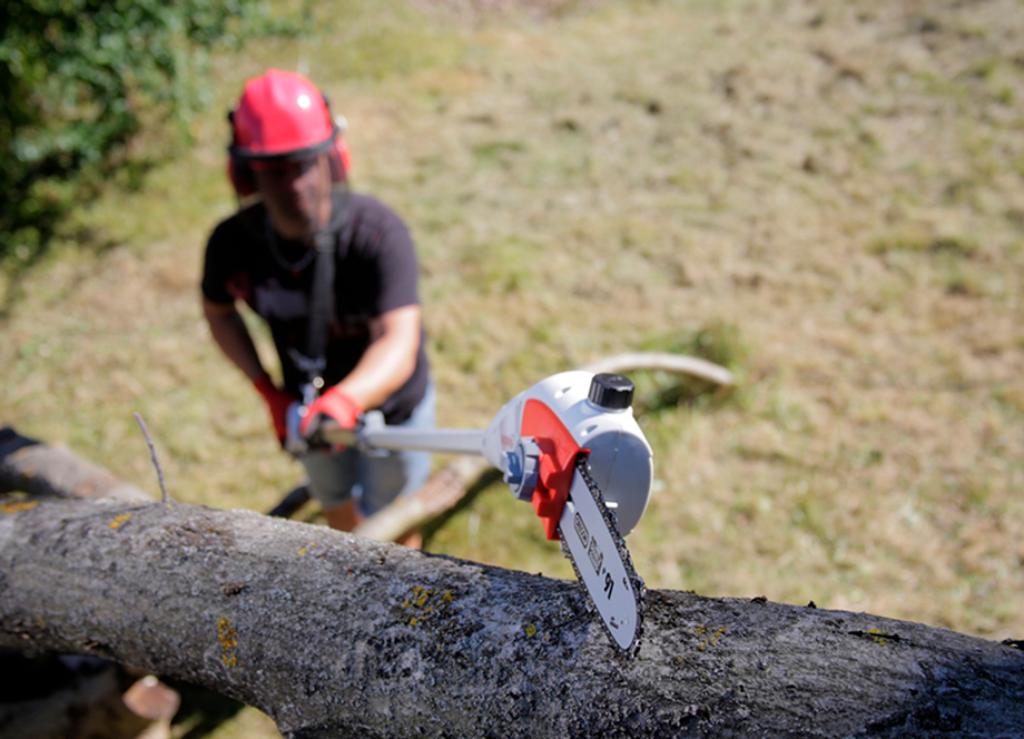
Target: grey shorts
{"x": 373, "y": 481}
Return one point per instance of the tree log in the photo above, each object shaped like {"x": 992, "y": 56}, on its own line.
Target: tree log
{"x": 335, "y": 635}
{"x": 39, "y": 469}
{"x": 440, "y": 493}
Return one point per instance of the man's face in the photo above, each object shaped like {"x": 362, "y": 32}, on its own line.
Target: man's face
{"x": 297, "y": 193}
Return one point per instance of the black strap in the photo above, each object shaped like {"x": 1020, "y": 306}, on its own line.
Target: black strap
{"x": 321, "y": 309}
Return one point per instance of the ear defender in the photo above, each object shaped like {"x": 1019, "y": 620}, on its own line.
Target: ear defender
{"x": 239, "y": 172}
{"x": 341, "y": 159}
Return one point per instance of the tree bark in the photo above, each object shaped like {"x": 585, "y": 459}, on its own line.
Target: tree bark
{"x": 334, "y": 635}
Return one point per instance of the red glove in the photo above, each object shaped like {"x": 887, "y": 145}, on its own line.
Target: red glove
{"x": 277, "y": 403}
{"x": 333, "y": 404}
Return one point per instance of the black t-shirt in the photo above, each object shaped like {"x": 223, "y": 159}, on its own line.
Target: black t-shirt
{"x": 375, "y": 272}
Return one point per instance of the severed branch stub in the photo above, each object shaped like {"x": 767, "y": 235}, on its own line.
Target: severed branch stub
{"x": 164, "y": 498}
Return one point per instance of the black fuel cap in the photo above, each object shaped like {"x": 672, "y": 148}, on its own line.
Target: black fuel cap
{"x": 613, "y": 392}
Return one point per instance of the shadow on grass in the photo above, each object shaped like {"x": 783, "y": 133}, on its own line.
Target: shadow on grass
{"x": 659, "y": 392}
{"x": 17, "y": 261}
{"x": 202, "y": 710}
{"x": 30, "y": 233}
{"x": 53, "y": 695}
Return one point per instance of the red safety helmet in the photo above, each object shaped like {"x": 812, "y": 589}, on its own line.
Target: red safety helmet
{"x": 280, "y": 115}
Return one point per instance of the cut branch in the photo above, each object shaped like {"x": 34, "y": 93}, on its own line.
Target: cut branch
{"x": 40, "y": 469}
{"x": 153, "y": 457}
{"x": 676, "y": 363}
{"x": 440, "y": 493}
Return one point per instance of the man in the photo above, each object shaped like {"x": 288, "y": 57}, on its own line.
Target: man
{"x": 307, "y": 227}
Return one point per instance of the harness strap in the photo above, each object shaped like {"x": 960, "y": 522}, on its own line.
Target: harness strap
{"x": 321, "y": 309}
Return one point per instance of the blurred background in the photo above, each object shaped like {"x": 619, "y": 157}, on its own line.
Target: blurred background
{"x": 826, "y": 198}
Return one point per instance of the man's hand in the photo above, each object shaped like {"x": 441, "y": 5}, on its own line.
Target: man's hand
{"x": 334, "y": 404}
{"x": 277, "y": 403}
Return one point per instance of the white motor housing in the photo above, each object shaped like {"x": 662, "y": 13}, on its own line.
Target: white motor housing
{"x": 596, "y": 410}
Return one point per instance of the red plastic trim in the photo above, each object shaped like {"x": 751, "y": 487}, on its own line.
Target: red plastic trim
{"x": 556, "y": 465}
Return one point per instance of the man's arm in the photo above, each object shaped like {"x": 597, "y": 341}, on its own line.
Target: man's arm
{"x": 390, "y": 359}
{"x": 233, "y": 337}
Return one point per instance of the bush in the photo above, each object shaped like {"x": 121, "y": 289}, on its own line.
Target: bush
{"x": 78, "y": 78}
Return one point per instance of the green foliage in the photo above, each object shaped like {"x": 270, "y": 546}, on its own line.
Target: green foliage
{"x": 80, "y": 79}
